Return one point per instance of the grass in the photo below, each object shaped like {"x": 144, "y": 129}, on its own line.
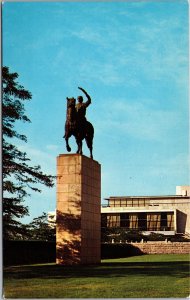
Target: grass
{"x": 146, "y": 276}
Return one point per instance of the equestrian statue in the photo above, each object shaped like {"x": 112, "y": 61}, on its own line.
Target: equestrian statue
{"x": 76, "y": 123}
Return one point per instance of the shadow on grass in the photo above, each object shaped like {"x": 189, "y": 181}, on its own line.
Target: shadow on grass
{"x": 179, "y": 269}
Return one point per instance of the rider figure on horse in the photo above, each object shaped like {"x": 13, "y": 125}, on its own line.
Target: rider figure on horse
{"x": 77, "y": 125}
{"x": 81, "y": 108}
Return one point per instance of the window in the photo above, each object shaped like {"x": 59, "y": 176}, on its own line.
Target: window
{"x": 117, "y": 203}
{"x": 135, "y": 202}
{"x": 123, "y": 202}
{"x": 129, "y": 203}
{"x": 113, "y": 220}
{"x": 170, "y": 221}
{"x": 153, "y": 221}
{"x": 142, "y": 221}
{"x": 133, "y": 221}
{"x": 167, "y": 221}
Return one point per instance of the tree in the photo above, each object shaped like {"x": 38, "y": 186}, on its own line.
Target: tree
{"x": 41, "y": 229}
{"x": 19, "y": 177}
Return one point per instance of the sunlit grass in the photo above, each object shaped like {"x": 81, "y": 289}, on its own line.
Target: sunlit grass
{"x": 147, "y": 276}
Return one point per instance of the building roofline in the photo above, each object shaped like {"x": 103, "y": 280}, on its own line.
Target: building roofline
{"x": 148, "y": 197}
{"x": 135, "y": 210}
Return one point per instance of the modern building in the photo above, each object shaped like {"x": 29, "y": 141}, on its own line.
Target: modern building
{"x": 167, "y": 215}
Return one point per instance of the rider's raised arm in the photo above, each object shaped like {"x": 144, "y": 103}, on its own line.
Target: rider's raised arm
{"x": 88, "y": 102}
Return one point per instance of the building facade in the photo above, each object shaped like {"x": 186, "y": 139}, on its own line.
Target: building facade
{"x": 166, "y": 215}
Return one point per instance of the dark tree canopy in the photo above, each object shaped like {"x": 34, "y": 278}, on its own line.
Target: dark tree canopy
{"x": 19, "y": 177}
{"x": 41, "y": 229}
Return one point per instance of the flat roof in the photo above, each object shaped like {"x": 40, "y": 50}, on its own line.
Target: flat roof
{"x": 148, "y": 197}
{"x": 135, "y": 210}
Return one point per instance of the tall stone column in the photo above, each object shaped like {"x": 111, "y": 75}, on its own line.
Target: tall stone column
{"x": 78, "y": 210}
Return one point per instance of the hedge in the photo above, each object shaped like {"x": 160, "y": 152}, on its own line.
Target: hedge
{"x": 26, "y": 252}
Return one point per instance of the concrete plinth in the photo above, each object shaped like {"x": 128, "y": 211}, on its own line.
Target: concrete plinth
{"x": 78, "y": 214}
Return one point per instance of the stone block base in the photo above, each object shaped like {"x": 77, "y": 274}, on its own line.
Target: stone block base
{"x": 78, "y": 214}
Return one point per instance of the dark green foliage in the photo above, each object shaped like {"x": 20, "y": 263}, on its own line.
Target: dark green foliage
{"x": 40, "y": 229}
{"x": 155, "y": 237}
{"x": 119, "y": 250}
{"x": 119, "y": 234}
{"x": 27, "y": 252}
{"x": 18, "y": 175}
{"x": 179, "y": 238}
{"x": 122, "y": 235}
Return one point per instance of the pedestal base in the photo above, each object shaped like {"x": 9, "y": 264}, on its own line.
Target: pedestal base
{"x": 78, "y": 217}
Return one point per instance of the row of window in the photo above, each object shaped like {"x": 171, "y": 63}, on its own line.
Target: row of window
{"x": 163, "y": 221}
{"x": 129, "y": 202}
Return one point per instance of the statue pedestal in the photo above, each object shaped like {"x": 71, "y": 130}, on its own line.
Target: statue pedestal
{"x": 78, "y": 215}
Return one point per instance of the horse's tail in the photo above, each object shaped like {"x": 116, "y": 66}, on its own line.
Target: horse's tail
{"x": 89, "y": 137}
{"x": 89, "y": 134}
{"x": 89, "y": 130}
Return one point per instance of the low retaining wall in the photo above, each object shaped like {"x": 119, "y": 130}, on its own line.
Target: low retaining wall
{"x": 163, "y": 247}
{"x": 118, "y": 250}
{"x": 27, "y": 252}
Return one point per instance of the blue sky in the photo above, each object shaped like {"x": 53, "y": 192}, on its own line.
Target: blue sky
{"x": 132, "y": 58}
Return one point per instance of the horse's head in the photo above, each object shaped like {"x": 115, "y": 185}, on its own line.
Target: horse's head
{"x": 71, "y": 102}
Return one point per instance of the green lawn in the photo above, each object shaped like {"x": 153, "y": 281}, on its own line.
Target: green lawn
{"x": 146, "y": 276}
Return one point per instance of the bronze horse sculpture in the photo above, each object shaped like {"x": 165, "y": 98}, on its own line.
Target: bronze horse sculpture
{"x": 79, "y": 128}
